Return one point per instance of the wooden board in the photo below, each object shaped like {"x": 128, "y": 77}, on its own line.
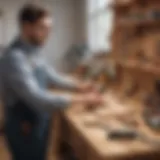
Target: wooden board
{"x": 4, "y": 152}
{"x": 91, "y": 142}
{"x": 54, "y": 138}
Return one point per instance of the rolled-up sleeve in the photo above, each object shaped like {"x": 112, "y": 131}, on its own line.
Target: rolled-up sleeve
{"x": 21, "y": 80}
{"x": 58, "y": 80}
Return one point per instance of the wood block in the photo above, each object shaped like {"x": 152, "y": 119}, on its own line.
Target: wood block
{"x": 55, "y": 137}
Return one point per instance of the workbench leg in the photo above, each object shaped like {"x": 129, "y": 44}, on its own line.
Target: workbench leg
{"x": 55, "y": 138}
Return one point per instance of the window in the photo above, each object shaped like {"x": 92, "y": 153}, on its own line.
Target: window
{"x": 99, "y": 24}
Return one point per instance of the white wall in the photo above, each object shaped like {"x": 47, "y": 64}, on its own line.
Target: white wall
{"x": 63, "y": 35}
{"x": 67, "y": 30}
{"x": 81, "y": 20}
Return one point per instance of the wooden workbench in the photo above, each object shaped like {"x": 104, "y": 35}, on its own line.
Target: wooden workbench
{"x": 89, "y": 140}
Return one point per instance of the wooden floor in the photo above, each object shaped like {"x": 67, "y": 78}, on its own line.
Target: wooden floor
{"x": 4, "y": 152}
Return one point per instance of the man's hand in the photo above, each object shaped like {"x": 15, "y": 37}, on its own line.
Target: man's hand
{"x": 85, "y": 87}
{"x": 91, "y": 99}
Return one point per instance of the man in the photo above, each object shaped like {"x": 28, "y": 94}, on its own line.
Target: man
{"x": 26, "y": 76}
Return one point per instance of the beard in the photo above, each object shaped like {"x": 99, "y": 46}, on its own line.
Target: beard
{"x": 37, "y": 41}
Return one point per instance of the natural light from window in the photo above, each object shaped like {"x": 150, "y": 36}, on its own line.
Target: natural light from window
{"x": 99, "y": 22}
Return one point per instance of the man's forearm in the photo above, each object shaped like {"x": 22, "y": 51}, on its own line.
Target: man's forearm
{"x": 60, "y": 81}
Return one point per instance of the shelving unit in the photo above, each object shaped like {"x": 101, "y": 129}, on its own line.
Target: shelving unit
{"x": 135, "y": 41}
{"x": 135, "y": 54}
{"x": 136, "y": 32}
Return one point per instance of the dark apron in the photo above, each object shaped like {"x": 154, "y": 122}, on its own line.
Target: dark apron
{"x": 26, "y": 130}
{"x": 26, "y": 133}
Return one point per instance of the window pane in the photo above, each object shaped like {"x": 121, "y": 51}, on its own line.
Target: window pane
{"x": 92, "y": 33}
{"x": 92, "y": 6}
{"x": 101, "y": 3}
{"x": 103, "y": 29}
{"x": 99, "y": 24}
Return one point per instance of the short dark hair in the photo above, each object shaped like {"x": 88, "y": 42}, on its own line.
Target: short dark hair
{"x": 32, "y": 13}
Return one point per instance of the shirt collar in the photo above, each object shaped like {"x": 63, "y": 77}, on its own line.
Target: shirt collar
{"x": 27, "y": 47}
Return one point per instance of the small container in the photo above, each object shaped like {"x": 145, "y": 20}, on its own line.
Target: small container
{"x": 151, "y": 114}
{"x": 155, "y": 14}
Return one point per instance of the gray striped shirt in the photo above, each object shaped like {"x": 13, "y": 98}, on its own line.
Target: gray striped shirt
{"x": 25, "y": 75}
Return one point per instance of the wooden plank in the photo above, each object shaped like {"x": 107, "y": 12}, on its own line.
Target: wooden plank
{"x": 54, "y": 140}
{"x": 4, "y": 152}
{"x": 89, "y": 141}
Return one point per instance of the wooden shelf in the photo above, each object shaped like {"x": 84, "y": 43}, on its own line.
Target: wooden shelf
{"x": 139, "y": 23}
{"x": 148, "y": 67}
{"x": 121, "y": 4}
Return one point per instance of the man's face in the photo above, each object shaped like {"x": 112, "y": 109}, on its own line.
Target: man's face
{"x": 38, "y": 31}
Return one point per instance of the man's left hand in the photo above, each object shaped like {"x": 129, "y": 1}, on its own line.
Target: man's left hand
{"x": 86, "y": 87}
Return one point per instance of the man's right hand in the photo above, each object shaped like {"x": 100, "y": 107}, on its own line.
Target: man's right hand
{"x": 89, "y": 99}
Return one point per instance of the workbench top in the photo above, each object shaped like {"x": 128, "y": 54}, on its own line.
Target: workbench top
{"x": 93, "y": 127}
